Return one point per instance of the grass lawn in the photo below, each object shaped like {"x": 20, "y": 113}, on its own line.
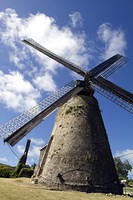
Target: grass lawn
{"x": 23, "y": 189}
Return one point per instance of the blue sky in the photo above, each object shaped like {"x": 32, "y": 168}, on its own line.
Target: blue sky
{"x": 85, "y": 32}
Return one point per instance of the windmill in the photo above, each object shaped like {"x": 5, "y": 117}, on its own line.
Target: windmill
{"x": 78, "y": 154}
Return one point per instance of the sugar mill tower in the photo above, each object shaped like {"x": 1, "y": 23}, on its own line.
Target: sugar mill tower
{"x": 78, "y": 154}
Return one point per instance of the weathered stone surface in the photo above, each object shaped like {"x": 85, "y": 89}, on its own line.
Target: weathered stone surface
{"x": 78, "y": 155}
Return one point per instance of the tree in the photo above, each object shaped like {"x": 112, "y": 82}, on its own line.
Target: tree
{"x": 122, "y": 168}
{"x": 33, "y": 166}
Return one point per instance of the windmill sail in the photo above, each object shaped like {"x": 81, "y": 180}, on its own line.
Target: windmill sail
{"x": 17, "y": 128}
{"x": 109, "y": 66}
{"x": 105, "y": 69}
{"x": 114, "y": 93}
{"x": 52, "y": 55}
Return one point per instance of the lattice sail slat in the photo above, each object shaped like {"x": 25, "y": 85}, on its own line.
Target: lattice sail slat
{"x": 114, "y": 67}
{"x": 114, "y": 99}
{"x": 10, "y": 127}
{"x": 109, "y": 94}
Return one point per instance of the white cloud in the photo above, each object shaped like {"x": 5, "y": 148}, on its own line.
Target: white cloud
{"x": 3, "y": 159}
{"x": 125, "y": 155}
{"x": 44, "y": 30}
{"x": 20, "y": 148}
{"x": 130, "y": 174}
{"x": 34, "y": 152}
{"x": 31, "y": 161}
{"x": 114, "y": 40}
{"x": 16, "y": 92}
{"x": 76, "y": 19}
{"x": 45, "y": 82}
{"x": 37, "y": 141}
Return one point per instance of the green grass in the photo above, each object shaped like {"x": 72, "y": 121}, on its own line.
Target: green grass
{"x": 23, "y": 189}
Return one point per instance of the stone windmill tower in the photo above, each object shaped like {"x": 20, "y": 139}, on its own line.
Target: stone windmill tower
{"x": 78, "y": 154}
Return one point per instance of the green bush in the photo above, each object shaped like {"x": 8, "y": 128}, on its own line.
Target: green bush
{"x": 26, "y": 172}
{"x": 123, "y": 168}
{"x": 5, "y": 172}
{"x": 130, "y": 182}
{"x": 22, "y": 170}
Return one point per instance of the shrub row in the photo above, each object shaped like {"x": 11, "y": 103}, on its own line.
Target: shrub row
{"x": 20, "y": 171}
{"x": 5, "y": 172}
